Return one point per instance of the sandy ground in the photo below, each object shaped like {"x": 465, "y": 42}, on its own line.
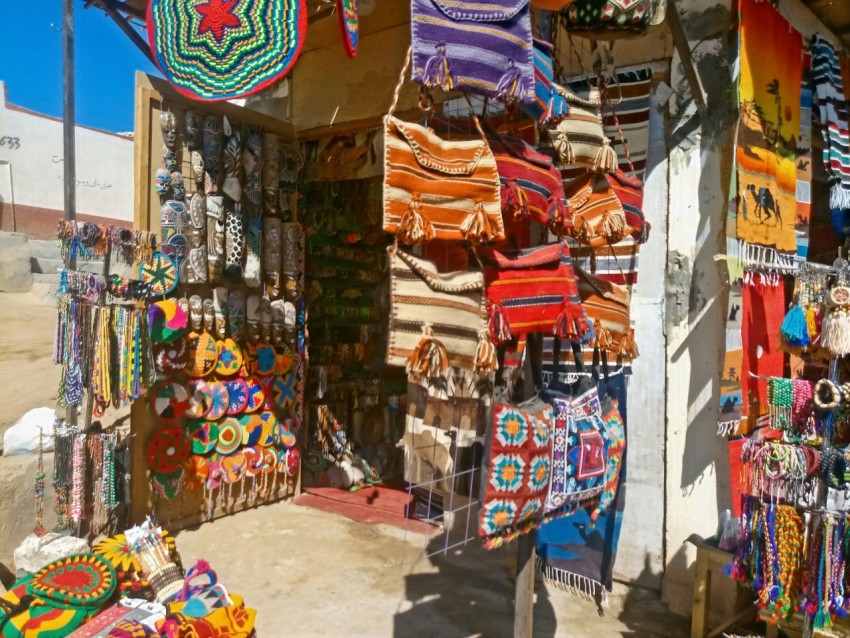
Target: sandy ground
{"x": 310, "y": 573}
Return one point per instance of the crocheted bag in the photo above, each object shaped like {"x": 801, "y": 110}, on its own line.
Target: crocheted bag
{"x": 518, "y": 470}
{"x": 598, "y": 218}
{"x": 436, "y": 189}
{"x": 482, "y": 48}
{"x": 579, "y": 449}
{"x": 607, "y": 17}
{"x": 533, "y": 290}
{"x": 548, "y": 104}
{"x": 437, "y": 320}
{"x": 579, "y": 138}
{"x": 530, "y": 184}
{"x": 608, "y": 306}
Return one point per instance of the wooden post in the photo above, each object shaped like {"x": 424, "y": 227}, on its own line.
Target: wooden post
{"x": 68, "y": 126}
{"x": 524, "y": 597}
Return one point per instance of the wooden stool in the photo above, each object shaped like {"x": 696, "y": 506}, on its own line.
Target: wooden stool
{"x": 709, "y": 559}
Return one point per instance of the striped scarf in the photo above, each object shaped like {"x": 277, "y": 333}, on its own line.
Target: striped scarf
{"x": 832, "y": 111}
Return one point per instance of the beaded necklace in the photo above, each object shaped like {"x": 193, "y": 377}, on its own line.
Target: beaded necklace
{"x": 77, "y": 478}
{"x": 780, "y": 397}
{"x": 62, "y": 469}
{"x": 39, "y": 530}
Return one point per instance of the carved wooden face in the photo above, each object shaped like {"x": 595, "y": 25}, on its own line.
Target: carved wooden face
{"x": 168, "y": 123}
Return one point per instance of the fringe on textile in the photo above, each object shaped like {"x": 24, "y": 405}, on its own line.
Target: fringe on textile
{"x": 839, "y": 196}
{"x": 587, "y": 588}
{"x": 765, "y": 261}
{"x": 728, "y": 428}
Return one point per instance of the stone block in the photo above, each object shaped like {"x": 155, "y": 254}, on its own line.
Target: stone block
{"x": 37, "y": 551}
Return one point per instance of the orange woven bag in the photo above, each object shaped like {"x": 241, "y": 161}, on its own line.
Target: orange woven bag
{"x": 438, "y": 189}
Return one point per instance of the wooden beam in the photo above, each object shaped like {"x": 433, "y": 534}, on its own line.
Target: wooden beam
{"x": 524, "y": 597}
{"x": 680, "y": 41}
{"x": 113, "y": 10}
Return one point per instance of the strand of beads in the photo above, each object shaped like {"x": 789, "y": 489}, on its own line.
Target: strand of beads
{"x": 39, "y": 488}
{"x": 78, "y": 478}
{"x": 780, "y": 398}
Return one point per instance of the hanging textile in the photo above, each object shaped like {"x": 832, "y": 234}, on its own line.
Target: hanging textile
{"x": 829, "y": 97}
{"x": 771, "y": 71}
{"x": 577, "y": 552}
{"x": 802, "y": 223}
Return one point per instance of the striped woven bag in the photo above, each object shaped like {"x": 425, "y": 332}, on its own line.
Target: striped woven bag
{"x": 608, "y": 305}
{"x": 437, "y": 320}
{"x": 477, "y": 47}
{"x": 548, "y": 104}
{"x": 598, "y": 218}
{"x": 533, "y": 290}
{"x": 438, "y": 189}
{"x": 579, "y": 137}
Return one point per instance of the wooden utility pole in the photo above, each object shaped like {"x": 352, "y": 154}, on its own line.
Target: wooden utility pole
{"x": 524, "y": 597}
{"x": 68, "y": 122}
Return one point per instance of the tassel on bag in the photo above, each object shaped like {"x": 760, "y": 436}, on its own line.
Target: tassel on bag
{"x": 563, "y": 147}
{"x": 413, "y": 228}
{"x": 500, "y": 331}
{"x": 603, "y": 339}
{"x": 628, "y": 349}
{"x": 614, "y": 227}
{"x": 606, "y": 158}
{"x": 812, "y": 323}
{"x": 570, "y": 324}
{"x": 794, "y": 328}
{"x": 515, "y": 200}
{"x": 479, "y": 226}
{"x": 835, "y": 333}
{"x": 429, "y": 358}
{"x": 438, "y": 70}
{"x": 510, "y": 87}
{"x": 485, "y": 354}
{"x": 559, "y": 213}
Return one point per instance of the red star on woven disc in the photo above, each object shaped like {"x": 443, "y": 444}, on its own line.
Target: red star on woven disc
{"x": 217, "y": 15}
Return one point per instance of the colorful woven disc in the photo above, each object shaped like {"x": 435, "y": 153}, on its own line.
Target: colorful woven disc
{"x": 229, "y": 357}
{"x": 270, "y": 423}
{"x": 229, "y": 436}
{"x": 235, "y": 467}
{"x": 293, "y": 460}
{"x": 168, "y": 484}
{"x": 254, "y": 458}
{"x": 349, "y": 24}
{"x": 284, "y": 391}
{"x": 224, "y": 49}
{"x": 170, "y": 358}
{"x": 283, "y": 435}
{"x": 285, "y": 360}
{"x": 166, "y": 321}
{"x": 169, "y": 400}
{"x": 168, "y": 449}
{"x": 38, "y": 620}
{"x": 237, "y": 392}
{"x": 203, "y": 354}
{"x": 256, "y": 396}
{"x": 200, "y": 398}
{"x": 82, "y": 580}
{"x": 160, "y": 272}
{"x": 203, "y": 434}
{"x": 252, "y": 428}
{"x": 266, "y": 359}
{"x": 220, "y": 401}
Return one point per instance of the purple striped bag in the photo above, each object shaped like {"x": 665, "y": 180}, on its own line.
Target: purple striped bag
{"x": 481, "y": 48}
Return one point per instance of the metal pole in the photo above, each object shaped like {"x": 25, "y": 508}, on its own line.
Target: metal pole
{"x": 69, "y": 120}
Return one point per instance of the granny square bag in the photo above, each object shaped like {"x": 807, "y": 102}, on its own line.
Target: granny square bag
{"x": 548, "y": 104}
{"x": 579, "y": 449}
{"x": 518, "y": 470}
{"x": 438, "y": 189}
{"x": 533, "y": 290}
{"x": 477, "y": 47}
{"x": 437, "y": 320}
{"x": 531, "y": 186}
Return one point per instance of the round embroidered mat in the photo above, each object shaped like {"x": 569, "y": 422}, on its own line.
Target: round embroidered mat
{"x": 83, "y": 580}
{"x": 349, "y": 19}
{"x": 160, "y": 272}
{"x": 224, "y": 49}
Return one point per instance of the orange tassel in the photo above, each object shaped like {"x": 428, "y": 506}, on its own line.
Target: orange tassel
{"x": 478, "y": 226}
{"x": 485, "y": 354}
{"x": 413, "y": 228}
{"x": 628, "y": 349}
{"x": 603, "y": 337}
{"x": 429, "y": 358}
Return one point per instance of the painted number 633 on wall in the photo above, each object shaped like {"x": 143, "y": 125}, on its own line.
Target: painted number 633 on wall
{"x": 13, "y": 143}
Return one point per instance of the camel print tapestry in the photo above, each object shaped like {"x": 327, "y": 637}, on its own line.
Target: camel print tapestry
{"x": 769, "y": 86}
{"x": 830, "y": 99}
{"x": 576, "y": 550}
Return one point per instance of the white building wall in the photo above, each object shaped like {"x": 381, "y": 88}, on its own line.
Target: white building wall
{"x": 31, "y": 169}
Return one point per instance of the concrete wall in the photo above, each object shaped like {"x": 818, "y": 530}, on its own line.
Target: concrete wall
{"x": 31, "y": 172}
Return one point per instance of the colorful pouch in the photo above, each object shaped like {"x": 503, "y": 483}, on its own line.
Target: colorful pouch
{"x": 548, "y": 103}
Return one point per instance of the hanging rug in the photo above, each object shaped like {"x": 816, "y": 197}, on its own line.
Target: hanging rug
{"x": 219, "y": 402}
{"x": 349, "y": 24}
{"x": 160, "y": 273}
{"x": 237, "y": 392}
{"x": 224, "y": 49}
{"x": 82, "y": 580}
{"x": 229, "y": 436}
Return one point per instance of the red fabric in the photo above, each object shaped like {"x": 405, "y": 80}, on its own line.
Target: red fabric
{"x": 735, "y": 464}
{"x": 447, "y": 256}
{"x": 764, "y": 310}
{"x": 629, "y": 191}
{"x": 531, "y": 289}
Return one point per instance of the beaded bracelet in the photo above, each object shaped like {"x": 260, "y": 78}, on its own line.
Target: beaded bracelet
{"x": 834, "y": 392}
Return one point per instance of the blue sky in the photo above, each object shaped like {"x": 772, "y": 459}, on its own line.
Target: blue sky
{"x": 106, "y": 62}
